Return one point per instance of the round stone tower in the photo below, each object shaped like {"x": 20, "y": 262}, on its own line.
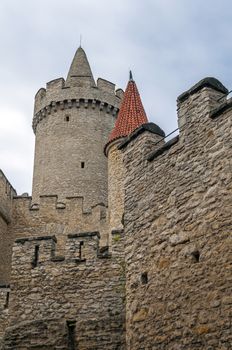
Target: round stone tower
{"x": 131, "y": 117}
{"x": 72, "y": 121}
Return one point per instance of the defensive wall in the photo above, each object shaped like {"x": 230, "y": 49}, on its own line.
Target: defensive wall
{"x": 74, "y": 301}
{"x": 178, "y": 204}
{"x": 51, "y": 217}
{"x": 7, "y": 193}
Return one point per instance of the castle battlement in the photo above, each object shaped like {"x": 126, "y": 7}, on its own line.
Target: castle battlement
{"x": 80, "y": 248}
{"x": 52, "y": 203}
{"x": 38, "y": 275}
{"x": 58, "y": 218}
{"x": 58, "y": 96}
{"x": 66, "y": 104}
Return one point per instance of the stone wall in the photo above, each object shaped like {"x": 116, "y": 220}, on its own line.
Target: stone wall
{"x": 69, "y": 158}
{"x": 6, "y": 197}
{"x": 178, "y": 203}
{"x": 4, "y": 307}
{"x": 57, "y": 218}
{"x": 116, "y": 178}
{"x": 75, "y": 301}
{"x": 72, "y": 125}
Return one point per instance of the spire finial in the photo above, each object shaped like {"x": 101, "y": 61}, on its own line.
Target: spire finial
{"x": 131, "y": 76}
{"x": 80, "y": 39}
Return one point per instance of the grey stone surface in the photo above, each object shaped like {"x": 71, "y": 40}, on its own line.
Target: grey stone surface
{"x": 178, "y": 232}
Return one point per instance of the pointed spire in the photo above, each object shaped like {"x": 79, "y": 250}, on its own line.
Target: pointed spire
{"x": 131, "y": 114}
{"x": 80, "y": 72}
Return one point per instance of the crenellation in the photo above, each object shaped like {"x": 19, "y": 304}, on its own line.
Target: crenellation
{"x": 106, "y": 85}
{"x": 56, "y": 94}
{"x": 119, "y": 93}
{"x": 80, "y": 247}
{"x": 51, "y": 202}
{"x": 54, "y": 85}
{"x": 40, "y": 97}
{"x": 200, "y": 102}
{"x": 83, "y": 246}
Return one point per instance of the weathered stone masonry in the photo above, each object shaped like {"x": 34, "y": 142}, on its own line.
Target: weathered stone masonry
{"x": 7, "y": 193}
{"x": 129, "y": 251}
{"x": 66, "y": 284}
{"x": 72, "y": 121}
{"x": 178, "y": 204}
{"x": 85, "y": 287}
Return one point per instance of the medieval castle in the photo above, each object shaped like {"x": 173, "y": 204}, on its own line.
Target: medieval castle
{"x": 126, "y": 240}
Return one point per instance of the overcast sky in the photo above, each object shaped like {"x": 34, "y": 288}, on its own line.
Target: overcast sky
{"x": 169, "y": 45}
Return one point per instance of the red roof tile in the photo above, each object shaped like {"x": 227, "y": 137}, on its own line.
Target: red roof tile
{"x": 131, "y": 114}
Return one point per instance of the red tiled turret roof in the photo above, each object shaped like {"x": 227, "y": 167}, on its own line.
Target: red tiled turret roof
{"x": 131, "y": 114}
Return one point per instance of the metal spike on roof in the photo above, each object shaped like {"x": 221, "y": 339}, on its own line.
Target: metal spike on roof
{"x": 131, "y": 76}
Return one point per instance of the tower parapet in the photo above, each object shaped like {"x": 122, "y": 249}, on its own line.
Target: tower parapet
{"x": 72, "y": 120}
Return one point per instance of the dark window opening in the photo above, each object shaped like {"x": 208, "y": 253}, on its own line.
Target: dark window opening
{"x": 67, "y": 118}
{"x": 196, "y": 256}
{"x": 144, "y": 278}
{"x": 80, "y": 248}
{"x": 7, "y": 300}
{"x": 36, "y": 256}
{"x": 82, "y": 165}
{"x": 71, "y": 335}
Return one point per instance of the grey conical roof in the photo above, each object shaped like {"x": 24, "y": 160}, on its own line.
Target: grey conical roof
{"x": 80, "y": 72}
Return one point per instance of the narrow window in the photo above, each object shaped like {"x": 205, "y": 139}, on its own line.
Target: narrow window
{"x": 80, "y": 248}
{"x": 82, "y": 165}
{"x": 67, "y": 118}
{"x": 144, "y": 278}
{"x": 7, "y": 300}
{"x": 196, "y": 256}
{"x": 36, "y": 256}
{"x": 71, "y": 335}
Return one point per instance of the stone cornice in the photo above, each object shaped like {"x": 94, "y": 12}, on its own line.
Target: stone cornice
{"x": 54, "y": 106}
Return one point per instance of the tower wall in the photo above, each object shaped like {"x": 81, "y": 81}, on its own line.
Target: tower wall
{"x": 178, "y": 230}
{"x": 72, "y": 125}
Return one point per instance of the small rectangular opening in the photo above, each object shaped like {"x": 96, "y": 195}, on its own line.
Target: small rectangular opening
{"x": 36, "y": 256}
{"x": 82, "y": 165}
{"x": 80, "y": 249}
{"x": 7, "y": 300}
{"x": 67, "y": 118}
{"x": 71, "y": 335}
{"x": 144, "y": 278}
